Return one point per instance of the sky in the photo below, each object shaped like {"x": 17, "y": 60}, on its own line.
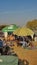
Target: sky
{"x": 17, "y": 12}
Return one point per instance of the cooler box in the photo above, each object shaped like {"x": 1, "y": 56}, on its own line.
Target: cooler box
{"x": 8, "y": 60}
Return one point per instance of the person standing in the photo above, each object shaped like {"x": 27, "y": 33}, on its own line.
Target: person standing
{"x": 24, "y": 42}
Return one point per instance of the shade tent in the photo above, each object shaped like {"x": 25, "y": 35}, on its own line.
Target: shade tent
{"x": 16, "y": 32}
{"x": 23, "y": 31}
{"x": 10, "y": 28}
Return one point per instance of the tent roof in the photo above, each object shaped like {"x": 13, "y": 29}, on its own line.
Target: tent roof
{"x": 23, "y": 31}
{"x": 10, "y": 28}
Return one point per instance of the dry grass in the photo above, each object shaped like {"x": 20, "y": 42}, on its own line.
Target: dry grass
{"x": 26, "y": 54}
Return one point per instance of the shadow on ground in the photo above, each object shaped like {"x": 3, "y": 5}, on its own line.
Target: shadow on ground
{"x": 23, "y": 62}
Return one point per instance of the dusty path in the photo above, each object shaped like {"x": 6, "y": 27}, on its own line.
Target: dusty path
{"x": 29, "y": 55}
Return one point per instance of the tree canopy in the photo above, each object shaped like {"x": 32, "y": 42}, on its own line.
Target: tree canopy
{"x": 2, "y": 26}
{"x": 32, "y": 24}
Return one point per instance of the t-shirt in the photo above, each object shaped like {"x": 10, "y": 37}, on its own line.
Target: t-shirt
{"x": 1, "y": 43}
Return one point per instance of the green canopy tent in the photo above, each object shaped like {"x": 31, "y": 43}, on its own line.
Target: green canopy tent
{"x": 10, "y": 28}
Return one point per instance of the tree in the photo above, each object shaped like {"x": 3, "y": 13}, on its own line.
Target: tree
{"x": 2, "y": 26}
{"x": 32, "y": 24}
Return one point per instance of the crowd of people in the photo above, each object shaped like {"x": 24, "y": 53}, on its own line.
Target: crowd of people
{"x": 4, "y": 47}
{"x": 24, "y": 41}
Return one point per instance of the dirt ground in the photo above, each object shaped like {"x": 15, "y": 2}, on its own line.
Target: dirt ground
{"x": 26, "y": 54}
